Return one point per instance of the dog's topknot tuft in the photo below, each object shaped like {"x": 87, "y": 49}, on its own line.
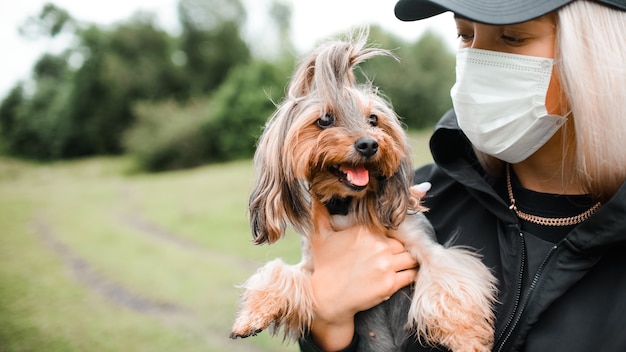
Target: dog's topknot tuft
{"x": 331, "y": 66}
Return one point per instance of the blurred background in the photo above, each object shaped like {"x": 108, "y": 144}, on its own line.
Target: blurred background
{"x": 126, "y": 132}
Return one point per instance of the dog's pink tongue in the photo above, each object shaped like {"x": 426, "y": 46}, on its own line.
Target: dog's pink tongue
{"x": 358, "y": 176}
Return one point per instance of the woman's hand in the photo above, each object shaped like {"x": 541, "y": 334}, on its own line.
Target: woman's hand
{"x": 354, "y": 270}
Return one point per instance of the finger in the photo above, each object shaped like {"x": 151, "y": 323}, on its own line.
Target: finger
{"x": 422, "y": 188}
{"x": 403, "y": 261}
{"x": 404, "y": 278}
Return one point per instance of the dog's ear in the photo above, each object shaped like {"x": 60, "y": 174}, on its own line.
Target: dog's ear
{"x": 278, "y": 196}
{"x": 301, "y": 82}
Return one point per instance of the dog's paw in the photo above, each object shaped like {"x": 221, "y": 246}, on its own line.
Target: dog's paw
{"x": 453, "y": 301}
{"x": 277, "y": 297}
{"x": 243, "y": 329}
{"x": 235, "y": 335}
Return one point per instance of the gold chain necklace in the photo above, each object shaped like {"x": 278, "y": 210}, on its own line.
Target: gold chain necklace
{"x": 572, "y": 220}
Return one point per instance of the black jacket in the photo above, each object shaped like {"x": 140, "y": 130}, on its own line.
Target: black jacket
{"x": 575, "y": 302}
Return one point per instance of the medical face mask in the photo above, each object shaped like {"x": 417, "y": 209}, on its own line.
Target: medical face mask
{"x": 499, "y": 100}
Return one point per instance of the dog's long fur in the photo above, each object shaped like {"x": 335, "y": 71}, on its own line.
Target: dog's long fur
{"x": 329, "y": 132}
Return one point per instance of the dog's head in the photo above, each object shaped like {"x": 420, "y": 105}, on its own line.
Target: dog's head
{"x": 334, "y": 141}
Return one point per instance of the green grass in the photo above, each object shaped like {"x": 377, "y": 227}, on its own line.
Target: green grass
{"x": 58, "y": 221}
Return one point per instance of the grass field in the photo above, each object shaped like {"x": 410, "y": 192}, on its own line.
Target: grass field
{"x": 94, "y": 257}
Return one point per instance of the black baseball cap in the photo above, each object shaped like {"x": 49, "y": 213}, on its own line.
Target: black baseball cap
{"x": 496, "y": 12}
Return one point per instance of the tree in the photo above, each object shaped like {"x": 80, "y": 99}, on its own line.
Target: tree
{"x": 419, "y": 85}
{"x": 50, "y": 22}
{"x": 10, "y": 114}
{"x": 211, "y": 41}
{"x": 84, "y": 108}
{"x": 130, "y": 63}
{"x": 169, "y": 136}
{"x": 84, "y": 100}
{"x": 280, "y": 13}
{"x": 242, "y": 106}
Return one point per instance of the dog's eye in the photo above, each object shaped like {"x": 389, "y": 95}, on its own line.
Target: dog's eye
{"x": 325, "y": 121}
{"x": 373, "y": 120}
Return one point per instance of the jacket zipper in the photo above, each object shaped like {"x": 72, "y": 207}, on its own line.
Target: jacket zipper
{"x": 518, "y": 292}
{"x": 531, "y": 288}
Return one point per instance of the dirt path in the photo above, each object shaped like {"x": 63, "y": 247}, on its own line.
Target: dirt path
{"x": 119, "y": 295}
{"x": 143, "y": 226}
{"x": 96, "y": 282}
{"x": 133, "y": 218}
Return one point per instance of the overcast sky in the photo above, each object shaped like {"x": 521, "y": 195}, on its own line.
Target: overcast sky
{"x": 312, "y": 20}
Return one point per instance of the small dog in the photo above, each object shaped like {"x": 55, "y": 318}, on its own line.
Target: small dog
{"x": 333, "y": 142}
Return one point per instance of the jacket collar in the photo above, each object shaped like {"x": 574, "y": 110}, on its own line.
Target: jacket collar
{"x": 606, "y": 228}
{"x": 453, "y": 153}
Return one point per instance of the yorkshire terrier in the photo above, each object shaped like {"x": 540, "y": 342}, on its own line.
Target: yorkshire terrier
{"x": 338, "y": 144}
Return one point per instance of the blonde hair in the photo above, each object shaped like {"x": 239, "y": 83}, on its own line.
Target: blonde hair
{"x": 591, "y": 64}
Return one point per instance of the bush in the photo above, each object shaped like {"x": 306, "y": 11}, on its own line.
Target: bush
{"x": 242, "y": 105}
{"x": 167, "y": 135}
{"x": 33, "y": 127}
{"x": 223, "y": 127}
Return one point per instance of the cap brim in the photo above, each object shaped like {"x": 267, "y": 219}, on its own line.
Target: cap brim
{"x": 496, "y": 12}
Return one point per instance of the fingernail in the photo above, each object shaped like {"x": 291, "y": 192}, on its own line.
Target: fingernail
{"x": 423, "y": 187}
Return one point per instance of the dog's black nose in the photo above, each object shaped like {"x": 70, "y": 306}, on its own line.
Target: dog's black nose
{"x": 367, "y": 146}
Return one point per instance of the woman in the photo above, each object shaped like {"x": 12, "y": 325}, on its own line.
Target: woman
{"x": 529, "y": 169}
